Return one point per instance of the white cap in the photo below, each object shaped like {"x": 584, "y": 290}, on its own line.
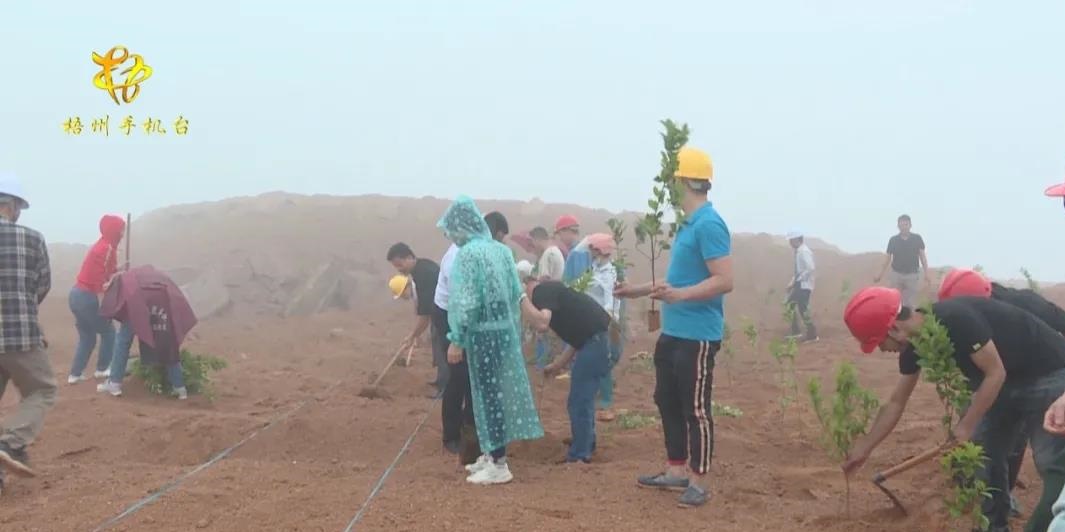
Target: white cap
{"x": 793, "y": 234}
{"x": 11, "y": 186}
{"x": 525, "y": 269}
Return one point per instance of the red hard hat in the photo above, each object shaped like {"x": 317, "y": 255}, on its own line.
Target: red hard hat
{"x": 964, "y": 282}
{"x": 565, "y": 222}
{"x": 871, "y": 313}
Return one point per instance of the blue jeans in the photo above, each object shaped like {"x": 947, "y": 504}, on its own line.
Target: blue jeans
{"x": 87, "y": 319}
{"x": 606, "y": 386}
{"x": 123, "y": 343}
{"x": 590, "y": 365}
{"x": 1019, "y": 404}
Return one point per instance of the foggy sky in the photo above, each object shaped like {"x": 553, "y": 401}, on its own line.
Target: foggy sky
{"x": 834, "y": 119}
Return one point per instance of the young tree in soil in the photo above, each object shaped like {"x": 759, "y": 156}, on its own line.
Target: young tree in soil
{"x": 852, "y": 409}
{"x": 935, "y": 355}
{"x": 784, "y": 354}
{"x": 726, "y": 349}
{"x": 1033, "y": 285}
{"x": 845, "y": 291}
{"x": 650, "y": 228}
{"x": 751, "y": 332}
{"x": 790, "y": 309}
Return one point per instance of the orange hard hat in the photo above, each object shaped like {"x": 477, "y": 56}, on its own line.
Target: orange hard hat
{"x": 871, "y": 313}
{"x": 964, "y": 282}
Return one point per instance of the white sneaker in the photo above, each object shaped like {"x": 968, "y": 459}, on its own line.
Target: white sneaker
{"x": 102, "y": 374}
{"x": 482, "y": 461}
{"x": 112, "y": 388}
{"x": 181, "y": 393}
{"x": 492, "y": 474}
{"x": 74, "y": 379}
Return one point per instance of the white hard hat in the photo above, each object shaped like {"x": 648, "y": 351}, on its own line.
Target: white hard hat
{"x": 793, "y": 234}
{"x": 11, "y": 186}
{"x": 525, "y": 269}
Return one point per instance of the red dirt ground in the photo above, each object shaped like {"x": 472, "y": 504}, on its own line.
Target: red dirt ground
{"x": 314, "y": 470}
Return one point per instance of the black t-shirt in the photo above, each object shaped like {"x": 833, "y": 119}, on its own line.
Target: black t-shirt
{"x": 575, "y": 317}
{"x": 1031, "y": 301}
{"x": 425, "y": 275}
{"x": 1028, "y": 347}
{"x": 905, "y": 253}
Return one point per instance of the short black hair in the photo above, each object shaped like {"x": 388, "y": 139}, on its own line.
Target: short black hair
{"x": 497, "y": 223}
{"x": 539, "y": 233}
{"x": 904, "y": 314}
{"x": 399, "y": 250}
{"x": 905, "y": 218}
{"x": 698, "y": 185}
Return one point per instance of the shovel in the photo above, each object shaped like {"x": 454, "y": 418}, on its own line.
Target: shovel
{"x": 372, "y": 391}
{"x": 906, "y": 465}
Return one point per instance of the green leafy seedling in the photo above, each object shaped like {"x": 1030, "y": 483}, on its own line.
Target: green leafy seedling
{"x": 195, "y": 369}
{"x": 852, "y": 408}
{"x": 935, "y": 355}
{"x": 727, "y": 351}
{"x": 718, "y": 409}
{"x": 784, "y": 354}
{"x": 966, "y": 499}
{"x": 1033, "y": 285}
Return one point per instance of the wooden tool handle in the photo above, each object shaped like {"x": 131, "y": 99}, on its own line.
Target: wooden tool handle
{"x": 390, "y": 362}
{"x": 911, "y": 462}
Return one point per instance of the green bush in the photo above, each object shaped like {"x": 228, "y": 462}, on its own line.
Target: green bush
{"x": 196, "y": 369}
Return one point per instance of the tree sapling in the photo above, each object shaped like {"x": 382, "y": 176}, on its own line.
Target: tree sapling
{"x": 649, "y": 230}
{"x": 852, "y": 409}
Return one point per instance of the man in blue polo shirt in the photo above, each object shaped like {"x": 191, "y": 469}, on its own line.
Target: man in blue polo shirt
{"x": 699, "y": 274}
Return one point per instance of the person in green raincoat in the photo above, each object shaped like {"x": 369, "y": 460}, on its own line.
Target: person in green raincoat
{"x": 485, "y": 319}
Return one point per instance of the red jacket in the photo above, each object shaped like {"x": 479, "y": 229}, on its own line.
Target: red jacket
{"x": 102, "y": 261}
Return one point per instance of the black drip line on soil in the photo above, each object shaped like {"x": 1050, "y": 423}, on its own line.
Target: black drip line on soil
{"x": 174, "y": 484}
{"x": 388, "y": 470}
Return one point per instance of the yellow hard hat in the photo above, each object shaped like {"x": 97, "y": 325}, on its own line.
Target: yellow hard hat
{"x": 694, "y": 164}
{"x": 398, "y": 285}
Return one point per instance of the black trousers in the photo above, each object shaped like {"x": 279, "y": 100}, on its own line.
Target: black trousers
{"x": 800, "y": 297}
{"x": 684, "y": 378}
{"x": 456, "y": 407}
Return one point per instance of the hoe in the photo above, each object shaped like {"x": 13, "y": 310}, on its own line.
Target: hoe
{"x": 910, "y": 463}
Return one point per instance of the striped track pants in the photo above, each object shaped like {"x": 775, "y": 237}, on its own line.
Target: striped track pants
{"x": 684, "y": 377}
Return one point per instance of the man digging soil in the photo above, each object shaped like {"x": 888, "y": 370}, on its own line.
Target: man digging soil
{"x": 423, "y": 274}
{"x": 1016, "y": 364}
{"x": 965, "y": 282}
{"x": 580, "y": 322}
{"x": 698, "y": 277}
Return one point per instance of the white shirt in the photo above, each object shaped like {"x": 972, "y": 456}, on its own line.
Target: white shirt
{"x": 552, "y": 264}
{"x": 604, "y": 277}
{"x": 441, "y": 295}
{"x": 804, "y": 267}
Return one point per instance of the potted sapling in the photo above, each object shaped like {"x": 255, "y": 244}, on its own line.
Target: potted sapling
{"x": 650, "y": 229}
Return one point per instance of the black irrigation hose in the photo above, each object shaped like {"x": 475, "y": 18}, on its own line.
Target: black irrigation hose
{"x": 388, "y": 471}
{"x": 172, "y": 485}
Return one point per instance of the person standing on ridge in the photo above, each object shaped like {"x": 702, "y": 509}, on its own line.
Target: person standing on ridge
{"x": 423, "y": 273}
{"x": 801, "y": 287}
{"x": 698, "y": 276}
{"x": 907, "y": 259}
{"x": 97, "y": 270}
{"x": 484, "y": 313}
{"x": 1014, "y": 364}
{"x": 23, "y": 350}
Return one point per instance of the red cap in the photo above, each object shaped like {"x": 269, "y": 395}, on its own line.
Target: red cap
{"x": 565, "y": 222}
{"x": 1056, "y": 191}
{"x": 964, "y": 282}
{"x": 871, "y": 313}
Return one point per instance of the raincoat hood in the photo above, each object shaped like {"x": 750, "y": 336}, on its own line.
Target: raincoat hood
{"x": 462, "y": 222}
{"x": 112, "y": 228}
